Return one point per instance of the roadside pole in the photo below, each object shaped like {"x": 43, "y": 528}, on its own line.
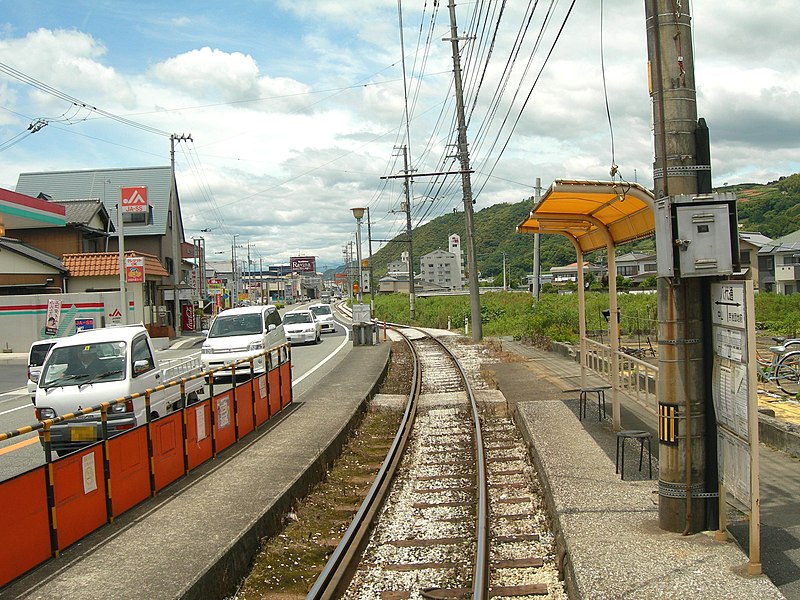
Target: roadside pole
{"x": 682, "y": 378}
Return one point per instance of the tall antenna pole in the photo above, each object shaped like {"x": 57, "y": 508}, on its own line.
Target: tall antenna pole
{"x": 466, "y": 184}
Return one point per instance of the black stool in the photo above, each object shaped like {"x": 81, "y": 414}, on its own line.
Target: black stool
{"x": 601, "y": 401}
{"x": 635, "y": 435}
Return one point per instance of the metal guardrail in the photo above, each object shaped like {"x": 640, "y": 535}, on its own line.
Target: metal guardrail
{"x": 637, "y": 378}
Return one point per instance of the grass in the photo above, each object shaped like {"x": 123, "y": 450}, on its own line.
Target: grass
{"x": 555, "y": 316}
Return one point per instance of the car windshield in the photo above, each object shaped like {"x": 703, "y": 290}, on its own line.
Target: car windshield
{"x": 292, "y": 318}
{"x": 231, "y": 325}
{"x": 321, "y": 310}
{"x": 74, "y": 365}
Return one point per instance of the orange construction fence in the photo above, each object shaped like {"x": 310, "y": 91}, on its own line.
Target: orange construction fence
{"x": 53, "y": 506}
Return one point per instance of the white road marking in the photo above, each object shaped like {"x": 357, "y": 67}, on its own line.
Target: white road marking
{"x": 330, "y": 356}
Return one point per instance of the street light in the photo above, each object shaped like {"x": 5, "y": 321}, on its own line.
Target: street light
{"x": 358, "y": 213}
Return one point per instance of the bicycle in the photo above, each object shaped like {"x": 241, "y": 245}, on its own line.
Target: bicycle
{"x": 782, "y": 368}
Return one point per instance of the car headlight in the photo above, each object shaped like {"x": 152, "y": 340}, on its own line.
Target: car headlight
{"x": 256, "y": 345}
{"x": 45, "y": 413}
{"x": 117, "y": 408}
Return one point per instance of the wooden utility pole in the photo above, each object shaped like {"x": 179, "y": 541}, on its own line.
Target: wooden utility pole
{"x": 466, "y": 184}
{"x": 681, "y": 307}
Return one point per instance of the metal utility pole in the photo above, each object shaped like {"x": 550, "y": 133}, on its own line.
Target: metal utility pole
{"x": 371, "y": 282}
{"x": 234, "y": 268}
{"x": 176, "y": 239}
{"x": 537, "y": 256}
{"x": 412, "y": 308}
{"x": 466, "y": 184}
{"x": 682, "y": 372}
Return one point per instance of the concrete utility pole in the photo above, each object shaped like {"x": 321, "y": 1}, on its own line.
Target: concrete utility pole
{"x": 177, "y": 232}
{"x": 466, "y": 184}
{"x": 682, "y": 373}
{"x": 412, "y": 302}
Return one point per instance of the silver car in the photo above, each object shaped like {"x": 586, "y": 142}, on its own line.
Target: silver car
{"x": 324, "y": 315}
{"x": 301, "y": 327}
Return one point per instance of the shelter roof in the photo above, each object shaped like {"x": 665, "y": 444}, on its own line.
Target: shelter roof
{"x": 586, "y": 210}
{"x": 106, "y": 264}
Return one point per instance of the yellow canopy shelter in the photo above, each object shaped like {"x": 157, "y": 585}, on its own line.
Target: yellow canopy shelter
{"x": 587, "y": 210}
{"x": 593, "y": 215}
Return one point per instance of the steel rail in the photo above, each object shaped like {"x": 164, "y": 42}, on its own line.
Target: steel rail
{"x": 480, "y": 574}
{"x": 480, "y": 583}
{"x": 338, "y": 571}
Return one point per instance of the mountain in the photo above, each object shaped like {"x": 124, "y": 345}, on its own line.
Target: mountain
{"x": 772, "y": 208}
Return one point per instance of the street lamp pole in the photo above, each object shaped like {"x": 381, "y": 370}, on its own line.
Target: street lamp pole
{"x": 358, "y": 213}
{"x": 371, "y": 282}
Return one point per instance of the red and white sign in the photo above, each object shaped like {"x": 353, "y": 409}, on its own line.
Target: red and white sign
{"x": 134, "y": 269}
{"x": 133, "y": 199}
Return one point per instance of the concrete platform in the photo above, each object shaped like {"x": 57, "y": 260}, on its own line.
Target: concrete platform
{"x": 607, "y": 528}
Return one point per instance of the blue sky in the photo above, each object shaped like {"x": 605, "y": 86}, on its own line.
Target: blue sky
{"x": 296, "y": 107}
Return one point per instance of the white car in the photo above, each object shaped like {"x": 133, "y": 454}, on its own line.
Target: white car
{"x": 36, "y": 356}
{"x": 301, "y": 327}
{"x": 239, "y": 333}
{"x": 324, "y": 315}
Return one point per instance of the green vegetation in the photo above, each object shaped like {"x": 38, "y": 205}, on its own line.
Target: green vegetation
{"x": 555, "y": 316}
{"x": 773, "y": 209}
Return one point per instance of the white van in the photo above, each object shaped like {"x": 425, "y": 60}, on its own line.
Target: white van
{"x": 240, "y": 333}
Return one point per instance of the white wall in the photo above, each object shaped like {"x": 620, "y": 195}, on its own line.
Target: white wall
{"x": 22, "y": 318}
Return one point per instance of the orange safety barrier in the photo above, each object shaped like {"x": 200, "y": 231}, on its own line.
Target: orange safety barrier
{"x": 128, "y": 469}
{"x": 198, "y": 433}
{"x": 24, "y": 523}
{"x": 286, "y": 384}
{"x": 262, "y": 399}
{"x": 244, "y": 408}
{"x": 80, "y": 494}
{"x": 274, "y": 391}
{"x": 166, "y": 434}
{"x": 224, "y": 425}
{"x": 84, "y": 496}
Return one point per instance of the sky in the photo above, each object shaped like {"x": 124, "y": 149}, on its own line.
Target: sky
{"x": 300, "y": 110}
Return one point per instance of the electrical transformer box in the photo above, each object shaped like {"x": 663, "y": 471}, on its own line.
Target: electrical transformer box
{"x": 697, "y": 236}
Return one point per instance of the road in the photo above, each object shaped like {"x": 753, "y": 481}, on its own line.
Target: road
{"x": 309, "y": 363}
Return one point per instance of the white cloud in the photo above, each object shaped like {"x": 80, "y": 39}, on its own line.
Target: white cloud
{"x": 297, "y": 112}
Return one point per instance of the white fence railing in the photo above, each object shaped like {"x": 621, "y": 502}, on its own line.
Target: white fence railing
{"x": 637, "y": 378}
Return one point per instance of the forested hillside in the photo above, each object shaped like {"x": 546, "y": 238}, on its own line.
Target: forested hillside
{"x": 772, "y": 208}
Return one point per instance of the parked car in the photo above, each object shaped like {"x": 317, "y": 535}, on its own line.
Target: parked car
{"x": 301, "y": 327}
{"x": 324, "y": 315}
{"x": 36, "y": 356}
{"x": 239, "y": 333}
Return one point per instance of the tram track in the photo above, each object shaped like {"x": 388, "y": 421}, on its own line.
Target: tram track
{"x": 459, "y": 513}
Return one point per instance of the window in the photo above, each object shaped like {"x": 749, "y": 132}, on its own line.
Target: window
{"x": 137, "y": 218}
{"x": 141, "y": 351}
{"x": 168, "y": 264}
{"x": 627, "y": 270}
{"x": 744, "y": 257}
{"x": 766, "y": 264}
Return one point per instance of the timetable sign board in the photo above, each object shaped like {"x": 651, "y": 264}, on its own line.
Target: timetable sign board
{"x": 727, "y": 304}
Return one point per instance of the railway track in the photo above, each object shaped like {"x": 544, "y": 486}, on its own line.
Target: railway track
{"x": 455, "y": 511}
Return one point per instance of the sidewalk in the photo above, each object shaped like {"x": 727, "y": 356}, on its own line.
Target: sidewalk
{"x": 607, "y": 529}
